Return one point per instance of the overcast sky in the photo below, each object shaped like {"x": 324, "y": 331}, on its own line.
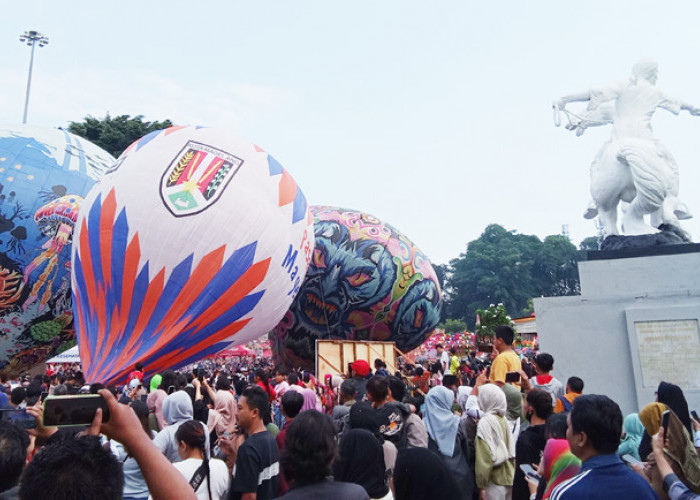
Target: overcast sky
{"x": 434, "y": 116}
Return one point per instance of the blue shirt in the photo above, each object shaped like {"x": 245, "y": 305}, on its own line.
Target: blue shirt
{"x": 601, "y": 477}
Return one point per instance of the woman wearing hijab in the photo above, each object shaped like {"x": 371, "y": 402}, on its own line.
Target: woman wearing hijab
{"x": 679, "y": 449}
{"x": 495, "y": 447}
{"x": 361, "y": 461}
{"x": 177, "y": 409}
{"x": 446, "y": 438}
{"x": 558, "y": 464}
{"x": 672, "y": 396}
{"x": 421, "y": 475}
{"x": 514, "y": 409}
{"x": 363, "y": 416}
{"x": 634, "y": 430}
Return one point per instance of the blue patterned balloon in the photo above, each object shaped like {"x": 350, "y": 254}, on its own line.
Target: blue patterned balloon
{"x": 44, "y": 173}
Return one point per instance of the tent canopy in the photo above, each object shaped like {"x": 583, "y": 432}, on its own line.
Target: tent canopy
{"x": 69, "y": 356}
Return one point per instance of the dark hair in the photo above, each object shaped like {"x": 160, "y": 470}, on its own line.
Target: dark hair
{"x": 348, "y": 387}
{"x": 73, "y": 468}
{"x": 168, "y": 378}
{"x": 18, "y": 395}
{"x": 139, "y": 366}
{"x": 34, "y": 391}
{"x": 292, "y": 402}
{"x": 453, "y": 350}
{"x": 280, "y": 370}
{"x": 439, "y": 346}
{"x": 95, "y": 388}
{"x": 141, "y": 410}
{"x": 311, "y": 447}
{"x": 450, "y": 380}
{"x": 222, "y": 383}
{"x": 192, "y": 434}
{"x": 264, "y": 377}
{"x": 541, "y": 402}
{"x": 13, "y": 454}
{"x": 293, "y": 378}
{"x": 545, "y": 361}
{"x": 378, "y": 388}
{"x": 180, "y": 381}
{"x": 378, "y": 363}
{"x": 397, "y": 388}
{"x": 575, "y": 384}
{"x": 555, "y": 427}
{"x": 505, "y": 333}
{"x": 256, "y": 398}
{"x": 363, "y": 416}
{"x": 418, "y": 371}
{"x": 600, "y": 418}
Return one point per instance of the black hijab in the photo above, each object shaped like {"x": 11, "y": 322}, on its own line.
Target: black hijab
{"x": 672, "y": 396}
{"x": 363, "y": 416}
{"x": 361, "y": 462}
{"x": 420, "y": 474}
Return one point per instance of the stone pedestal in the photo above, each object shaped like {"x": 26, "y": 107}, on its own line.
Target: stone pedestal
{"x": 636, "y": 322}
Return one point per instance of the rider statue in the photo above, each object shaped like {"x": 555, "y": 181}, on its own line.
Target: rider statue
{"x": 633, "y": 166}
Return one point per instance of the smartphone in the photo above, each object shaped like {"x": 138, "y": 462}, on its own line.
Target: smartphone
{"x": 695, "y": 415}
{"x": 44, "y": 395}
{"x": 630, "y": 460}
{"x": 18, "y": 417}
{"x": 171, "y": 389}
{"x": 74, "y": 410}
{"x": 664, "y": 421}
{"x": 529, "y": 471}
{"x": 512, "y": 377}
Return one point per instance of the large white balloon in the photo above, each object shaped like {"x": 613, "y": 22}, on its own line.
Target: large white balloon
{"x": 196, "y": 239}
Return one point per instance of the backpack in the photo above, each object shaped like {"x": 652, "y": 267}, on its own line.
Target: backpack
{"x": 565, "y": 402}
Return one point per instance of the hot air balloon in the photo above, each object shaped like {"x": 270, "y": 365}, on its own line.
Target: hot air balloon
{"x": 44, "y": 173}
{"x": 194, "y": 241}
{"x": 366, "y": 281}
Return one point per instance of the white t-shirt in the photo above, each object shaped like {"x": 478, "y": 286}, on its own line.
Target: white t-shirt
{"x": 445, "y": 362}
{"x": 218, "y": 475}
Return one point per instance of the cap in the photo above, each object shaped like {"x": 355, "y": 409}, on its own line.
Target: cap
{"x": 361, "y": 367}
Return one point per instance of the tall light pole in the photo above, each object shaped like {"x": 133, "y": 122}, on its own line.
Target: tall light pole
{"x": 31, "y": 38}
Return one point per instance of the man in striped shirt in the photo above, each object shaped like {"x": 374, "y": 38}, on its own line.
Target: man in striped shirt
{"x": 594, "y": 429}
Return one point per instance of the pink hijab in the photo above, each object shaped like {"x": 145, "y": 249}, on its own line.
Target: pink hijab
{"x": 224, "y": 416}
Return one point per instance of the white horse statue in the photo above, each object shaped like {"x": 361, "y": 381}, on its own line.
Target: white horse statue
{"x": 633, "y": 166}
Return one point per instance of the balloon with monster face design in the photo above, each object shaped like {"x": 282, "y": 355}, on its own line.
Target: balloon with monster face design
{"x": 366, "y": 281}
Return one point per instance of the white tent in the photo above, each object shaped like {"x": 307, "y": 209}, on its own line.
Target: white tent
{"x": 69, "y": 356}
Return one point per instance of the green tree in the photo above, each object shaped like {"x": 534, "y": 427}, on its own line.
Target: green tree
{"x": 590, "y": 243}
{"x": 502, "y": 266}
{"x": 115, "y": 134}
{"x": 453, "y": 325}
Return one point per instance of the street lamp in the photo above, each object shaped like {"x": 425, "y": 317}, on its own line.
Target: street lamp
{"x": 31, "y": 38}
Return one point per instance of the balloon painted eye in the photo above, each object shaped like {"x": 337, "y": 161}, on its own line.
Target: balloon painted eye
{"x": 418, "y": 319}
{"x": 319, "y": 259}
{"x": 358, "y": 279}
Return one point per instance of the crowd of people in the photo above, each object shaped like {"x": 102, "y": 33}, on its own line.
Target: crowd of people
{"x": 496, "y": 428}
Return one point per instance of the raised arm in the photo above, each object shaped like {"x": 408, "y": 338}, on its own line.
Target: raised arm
{"x": 163, "y": 480}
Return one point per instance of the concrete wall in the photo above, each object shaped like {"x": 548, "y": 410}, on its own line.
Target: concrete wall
{"x": 592, "y": 336}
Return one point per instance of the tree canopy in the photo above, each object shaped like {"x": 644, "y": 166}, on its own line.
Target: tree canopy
{"x": 115, "y": 134}
{"x": 502, "y": 266}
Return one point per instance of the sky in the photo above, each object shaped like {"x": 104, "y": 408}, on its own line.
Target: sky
{"x": 433, "y": 116}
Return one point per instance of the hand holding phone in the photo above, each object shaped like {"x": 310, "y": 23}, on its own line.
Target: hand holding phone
{"x": 513, "y": 377}
{"x": 529, "y": 471}
{"x": 630, "y": 460}
{"x": 664, "y": 421}
{"x": 695, "y": 415}
{"x": 73, "y": 410}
